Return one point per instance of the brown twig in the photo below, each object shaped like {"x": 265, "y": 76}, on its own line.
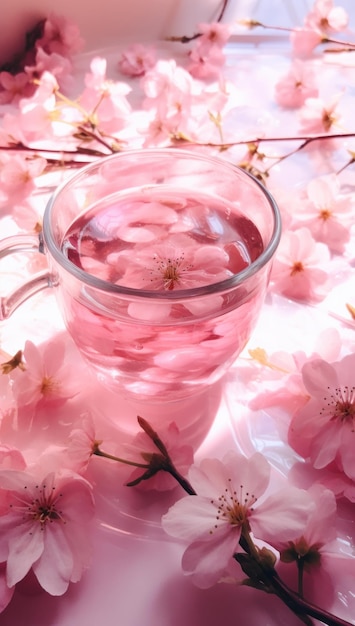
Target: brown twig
{"x": 185, "y": 39}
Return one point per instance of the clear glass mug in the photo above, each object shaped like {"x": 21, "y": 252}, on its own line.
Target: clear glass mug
{"x": 160, "y": 260}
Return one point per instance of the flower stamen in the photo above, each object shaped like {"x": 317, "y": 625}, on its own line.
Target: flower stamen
{"x": 171, "y": 270}
{"x": 234, "y": 507}
{"x": 297, "y": 268}
{"x": 341, "y": 404}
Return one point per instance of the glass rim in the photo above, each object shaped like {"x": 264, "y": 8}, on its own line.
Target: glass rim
{"x": 179, "y": 294}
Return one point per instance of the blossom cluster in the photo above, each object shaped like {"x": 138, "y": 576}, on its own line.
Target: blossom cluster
{"x": 235, "y": 528}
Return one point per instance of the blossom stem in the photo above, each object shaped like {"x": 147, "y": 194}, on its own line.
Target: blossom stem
{"x": 324, "y": 39}
{"x": 98, "y": 452}
{"x": 304, "y": 138}
{"x": 72, "y": 103}
{"x": 168, "y": 465}
{"x": 185, "y": 39}
{"x": 20, "y": 147}
{"x": 95, "y": 135}
{"x": 181, "y": 480}
{"x": 283, "y": 591}
{"x": 273, "y": 583}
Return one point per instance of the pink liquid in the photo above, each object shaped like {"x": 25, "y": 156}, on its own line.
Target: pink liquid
{"x": 163, "y": 242}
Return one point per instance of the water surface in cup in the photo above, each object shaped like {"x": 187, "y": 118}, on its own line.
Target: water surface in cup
{"x": 162, "y": 240}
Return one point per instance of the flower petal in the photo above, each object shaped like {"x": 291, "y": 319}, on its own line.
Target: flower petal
{"x": 190, "y": 518}
{"x": 53, "y": 569}
{"x": 25, "y": 547}
{"x": 207, "y": 560}
{"x": 282, "y": 516}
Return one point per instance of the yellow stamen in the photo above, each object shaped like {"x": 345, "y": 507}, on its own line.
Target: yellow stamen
{"x": 260, "y": 355}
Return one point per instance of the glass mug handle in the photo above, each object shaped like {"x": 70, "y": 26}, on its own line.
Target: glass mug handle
{"x": 40, "y": 281}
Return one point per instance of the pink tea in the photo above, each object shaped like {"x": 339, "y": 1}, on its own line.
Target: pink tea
{"x": 157, "y": 246}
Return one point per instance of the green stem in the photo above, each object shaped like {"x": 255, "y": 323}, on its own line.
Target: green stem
{"x": 106, "y": 455}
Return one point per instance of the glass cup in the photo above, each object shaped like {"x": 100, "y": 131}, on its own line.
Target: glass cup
{"x": 160, "y": 260}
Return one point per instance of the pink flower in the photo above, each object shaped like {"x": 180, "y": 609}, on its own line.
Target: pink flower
{"x": 18, "y": 175}
{"x": 326, "y": 212}
{"x": 38, "y": 112}
{"x": 179, "y": 264}
{"x": 296, "y": 86}
{"x": 316, "y": 552}
{"x": 228, "y": 495}
{"x": 136, "y": 60}
{"x": 11, "y": 458}
{"x": 142, "y": 448}
{"x": 82, "y": 443}
{"x": 45, "y": 528}
{"x": 325, "y": 17}
{"x": 298, "y": 271}
{"x": 323, "y": 430}
{"x": 169, "y": 91}
{"x": 317, "y": 116}
{"x": 213, "y": 34}
{"x": 58, "y": 65}
{"x": 105, "y": 97}
{"x": 205, "y": 63}
{"x": 286, "y": 390}
{"x": 304, "y": 475}
{"x": 304, "y": 41}
{"x": 14, "y": 87}
{"x": 49, "y": 376}
{"x": 60, "y": 36}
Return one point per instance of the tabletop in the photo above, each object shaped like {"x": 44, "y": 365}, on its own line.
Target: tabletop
{"x": 135, "y": 576}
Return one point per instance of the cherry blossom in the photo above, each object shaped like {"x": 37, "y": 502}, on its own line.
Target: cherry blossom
{"x": 304, "y": 41}
{"x": 38, "y": 112}
{"x": 227, "y": 504}
{"x": 142, "y": 447}
{"x": 46, "y": 527}
{"x": 300, "y": 266}
{"x": 205, "y": 64}
{"x": 60, "y": 36}
{"x": 136, "y": 60}
{"x": 169, "y": 92}
{"x": 326, "y": 17}
{"x": 18, "y": 174}
{"x": 48, "y": 378}
{"x": 176, "y": 265}
{"x": 327, "y": 212}
{"x": 206, "y": 58}
{"x": 317, "y": 116}
{"x": 103, "y": 98}
{"x": 293, "y": 89}
{"x": 323, "y": 430}
{"x": 285, "y": 390}
{"x": 58, "y": 65}
{"x": 316, "y": 553}
{"x": 213, "y": 34}
{"x": 304, "y": 475}
{"x": 82, "y": 443}
{"x": 13, "y": 87}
